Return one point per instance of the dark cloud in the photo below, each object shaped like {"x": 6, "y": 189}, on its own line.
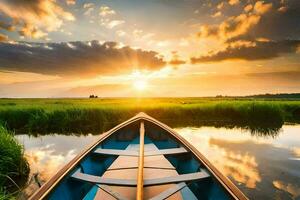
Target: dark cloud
{"x": 262, "y": 50}
{"x": 280, "y": 25}
{"x": 76, "y": 58}
{"x": 6, "y": 26}
{"x": 271, "y": 28}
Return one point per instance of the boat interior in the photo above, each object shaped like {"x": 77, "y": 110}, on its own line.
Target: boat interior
{"x": 110, "y": 169}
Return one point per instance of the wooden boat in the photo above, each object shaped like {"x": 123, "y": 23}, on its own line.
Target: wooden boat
{"x": 141, "y": 158}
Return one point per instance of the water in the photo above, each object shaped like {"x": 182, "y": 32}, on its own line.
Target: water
{"x": 263, "y": 167}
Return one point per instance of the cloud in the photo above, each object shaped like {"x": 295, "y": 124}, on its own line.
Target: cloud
{"x": 120, "y": 33}
{"x": 261, "y": 8}
{"x": 232, "y": 27}
{"x": 110, "y": 24}
{"x": 30, "y": 31}
{"x": 177, "y": 62}
{"x": 114, "y": 23}
{"x": 233, "y": 2}
{"x": 248, "y": 8}
{"x": 3, "y": 37}
{"x": 176, "y": 59}
{"x": 280, "y": 25}
{"x": 259, "y": 51}
{"x": 88, "y": 5}
{"x": 220, "y": 5}
{"x": 76, "y": 58}
{"x": 7, "y": 27}
{"x": 71, "y": 2}
{"x": 258, "y": 32}
{"x": 35, "y": 15}
{"x": 217, "y": 14}
{"x": 105, "y": 11}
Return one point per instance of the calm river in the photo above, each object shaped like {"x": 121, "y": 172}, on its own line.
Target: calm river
{"x": 263, "y": 167}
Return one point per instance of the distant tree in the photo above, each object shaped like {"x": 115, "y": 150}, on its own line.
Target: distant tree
{"x": 92, "y": 96}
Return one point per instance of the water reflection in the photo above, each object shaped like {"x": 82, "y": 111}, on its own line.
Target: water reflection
{"x": 241, "y": 166}
{"x": 290, "y": 188}
{"x": 262, "y": 167}
{"x": 47, "y": 154}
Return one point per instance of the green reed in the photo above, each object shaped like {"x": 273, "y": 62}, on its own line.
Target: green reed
{"x": 14, "y": 168}
{"x": 96, "y": 115}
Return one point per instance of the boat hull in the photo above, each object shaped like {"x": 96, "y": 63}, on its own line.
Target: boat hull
{"x": 172, "y": 168}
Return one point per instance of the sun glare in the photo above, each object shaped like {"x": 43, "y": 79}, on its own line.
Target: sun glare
{"x": 140, "y": 85}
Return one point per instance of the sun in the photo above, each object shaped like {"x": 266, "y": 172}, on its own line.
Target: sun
{"x": 140, "y": 85}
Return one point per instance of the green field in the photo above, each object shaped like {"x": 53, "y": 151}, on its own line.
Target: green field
{"x": 39, "y": 116}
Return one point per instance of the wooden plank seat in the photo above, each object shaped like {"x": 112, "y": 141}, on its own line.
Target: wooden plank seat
{"x": 136, "y": 153}
{"x": 147, "y": 182}
{"x": 159, "y": 177}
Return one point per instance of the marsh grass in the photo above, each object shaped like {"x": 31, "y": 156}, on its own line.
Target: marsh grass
{"x": 96, "y": 115}
{"x": 14, "y": 168}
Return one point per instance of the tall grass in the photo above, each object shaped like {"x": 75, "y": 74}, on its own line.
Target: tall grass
{"x": 14, "y": 169}
{"x": 96, "y": 115}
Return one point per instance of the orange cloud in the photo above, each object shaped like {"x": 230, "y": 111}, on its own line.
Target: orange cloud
{"x": 220, "y": 5}
{"x": 3, "y": 37}
{"x": 261, "y": 8}
{"x": 233, "y": 2}
{"x": 230, "y": 28}
{"x": 35, "y": 17}
{"x": 248, "y": 8}
{"x": 217, "y": 14}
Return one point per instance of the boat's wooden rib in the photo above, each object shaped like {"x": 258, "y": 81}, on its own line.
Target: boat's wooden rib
{"x": 113, "y": 193}
{"x": 177, "y": 179}
{"x": 169, "y": 192}
{"x": 147, "y": 182}
{"x": 101, "y": 180}
{"x": 115, "y": 152}
{"x": 143, "y": 159}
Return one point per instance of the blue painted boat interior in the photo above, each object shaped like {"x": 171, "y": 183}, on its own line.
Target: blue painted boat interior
{"x": 97, "y": 164}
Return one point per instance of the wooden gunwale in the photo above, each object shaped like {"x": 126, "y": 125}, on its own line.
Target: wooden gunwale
{"x": 51, "y": 183}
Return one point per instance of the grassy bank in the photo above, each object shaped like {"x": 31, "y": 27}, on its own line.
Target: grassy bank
{"x": 14, "y": 169}
{"x": 94, "y": 115}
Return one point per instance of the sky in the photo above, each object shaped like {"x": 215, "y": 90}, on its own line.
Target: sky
{"x": 155, "y": 48}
